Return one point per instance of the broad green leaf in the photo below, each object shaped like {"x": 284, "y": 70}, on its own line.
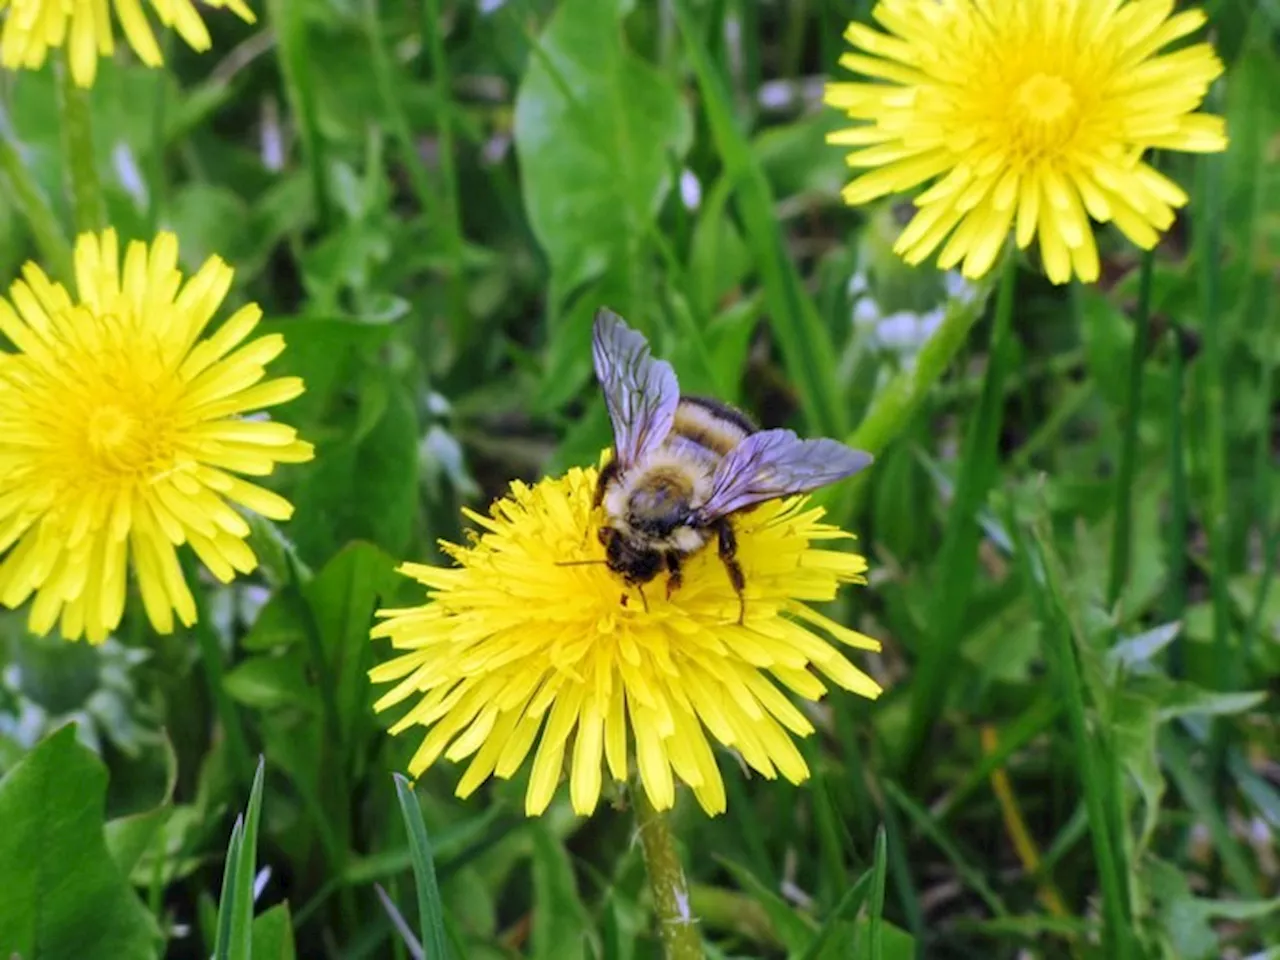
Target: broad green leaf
{"x": 364, "y": 488}
{"x": 129, "y": 837}
{"x": 63, "y": 894}
{"x": 1185, "y": 930}
{"x": 273, "y": 934}
{"x": 595, "y": 129}
{"x": 342, "y": 597}
{"x": 270, "y": 682}
{"x": 559, "y": 919}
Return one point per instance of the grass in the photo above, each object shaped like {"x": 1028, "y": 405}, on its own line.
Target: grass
{"x": 1071, "y": 523}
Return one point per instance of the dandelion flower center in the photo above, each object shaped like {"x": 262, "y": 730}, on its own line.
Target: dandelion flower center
{"x": 117, "y": 441}
{"x": 1043, "y": 114}
{"x": 514, "y": 648}
{"x": 1024, "y": 115}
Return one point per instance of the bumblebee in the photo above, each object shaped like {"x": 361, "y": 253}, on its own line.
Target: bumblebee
{"x": 683, "y": 466}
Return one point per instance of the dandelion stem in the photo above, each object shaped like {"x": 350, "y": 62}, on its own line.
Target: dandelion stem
{"x": 1122, "y": 531}
{"x": 676, "y": 923}
{"x": 895, "y": 405}
{"x": 77, "y": 152}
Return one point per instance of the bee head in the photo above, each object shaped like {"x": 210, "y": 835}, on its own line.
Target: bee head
{"x": 636, "y": 562}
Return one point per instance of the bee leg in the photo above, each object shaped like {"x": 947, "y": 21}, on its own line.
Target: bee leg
{"x": 728, "y": 549}
{"x": 643, "y": 599}
{"x": 607, "y": 474}
{"x": 674, "y": 575}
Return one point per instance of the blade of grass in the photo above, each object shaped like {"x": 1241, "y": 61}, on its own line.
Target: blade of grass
{"x": 25, "y": 194}
{"x": 900, "y": 868}
{"x": 430, "y": 908}
{"x": 76, "y": 121}
{"x": 240, "y": 942}
{"x": 1122, "y": 531}
{"x": 1042, "y": 578}
{"x": 1175, "y": 601}
{"x": 806, "y": 347}
{"x": 1264, "y": 472}
{"x": 958, "y": 555}
{"x": 933, "y": 830}
{"x": 875, "y": 922}
{"x": 1207, "y": 232}
{"x": 225, "y": 935}
{"x": 289, "y": 20}
{"x": 1015, "y": 827}
{"x": 848, "y": 906}
{"x": 1022, "y": 730}
{"x": 449, "y": 216}
{"x": 1176, "y": 758}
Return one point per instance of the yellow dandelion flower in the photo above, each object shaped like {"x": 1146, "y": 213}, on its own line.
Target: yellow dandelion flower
{"x": 121, "y": 432}
{"x": 1031, "y": 115}
{"x": 512, "y": 644}
{"x": 83, "y": 27}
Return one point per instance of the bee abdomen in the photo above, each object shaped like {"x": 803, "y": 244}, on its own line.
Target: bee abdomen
{"x": 714, "y": 426}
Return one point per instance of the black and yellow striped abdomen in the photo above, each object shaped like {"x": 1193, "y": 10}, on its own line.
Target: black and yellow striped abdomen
{"x": 712, "y": 425}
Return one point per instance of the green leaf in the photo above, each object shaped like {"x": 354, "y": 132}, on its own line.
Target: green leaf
{"x": 63, "y": 894}
{"x": 129, "y": 837}
{"x": 559, "y": 918}
{"x": 595, "y": 127}
{"x": 271, "y": 682}
{"x": 364, "y": 483}
{"x": 430, "y": 910}
{"x": 1184, "y": 918}
{"x": 342, "y": 597}
{"x": 273, "y": 934}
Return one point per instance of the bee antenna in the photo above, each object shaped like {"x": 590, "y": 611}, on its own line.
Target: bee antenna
{"x": 578, "y": 563}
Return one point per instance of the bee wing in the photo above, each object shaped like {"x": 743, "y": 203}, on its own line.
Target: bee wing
{"x": 640, "y": 392}
{"x": 775, "y": 463}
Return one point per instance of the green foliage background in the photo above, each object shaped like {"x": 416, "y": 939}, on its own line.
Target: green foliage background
{"x": 430, "y": 199}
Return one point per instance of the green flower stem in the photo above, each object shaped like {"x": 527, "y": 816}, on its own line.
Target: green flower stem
{"x": 958, "y": 555}
{"x": 77, "y": 152}
{"x": 1122, "y": 532}
{"x": 676, "y": 923}
{"x": 896, "y": 404}
{"x": 25, "y": 194}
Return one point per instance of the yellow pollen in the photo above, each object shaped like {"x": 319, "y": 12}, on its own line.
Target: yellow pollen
{"x": 1045, "y": 99}
{"x": 115, "y": 439}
